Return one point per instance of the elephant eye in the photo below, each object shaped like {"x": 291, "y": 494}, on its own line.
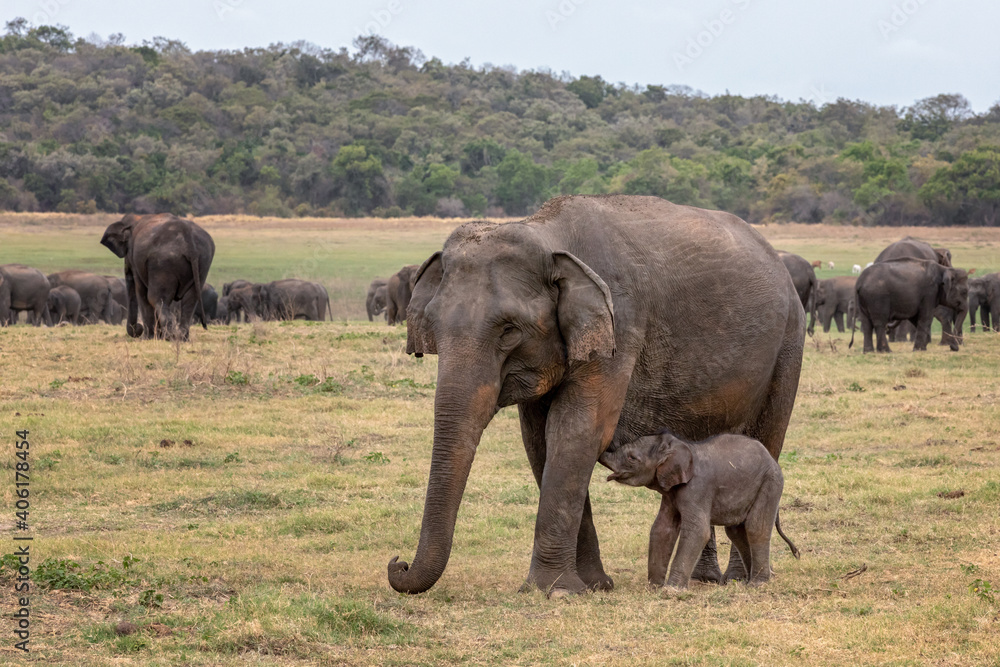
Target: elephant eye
{"x": 509, "y": 335}
{"x": 632, "y": 457}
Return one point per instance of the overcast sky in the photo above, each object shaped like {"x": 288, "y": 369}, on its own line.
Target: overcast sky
{"x": 881, "y": 51}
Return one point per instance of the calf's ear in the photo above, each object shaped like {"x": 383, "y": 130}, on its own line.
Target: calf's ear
{"x": 677, "y": 467}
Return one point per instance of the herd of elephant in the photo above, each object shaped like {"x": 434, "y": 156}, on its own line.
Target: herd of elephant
{"x": 167, "y": 260}
{"x": 897, "y": 296}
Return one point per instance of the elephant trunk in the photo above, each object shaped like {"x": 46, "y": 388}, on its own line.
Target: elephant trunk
{"x": 462, "y": 409}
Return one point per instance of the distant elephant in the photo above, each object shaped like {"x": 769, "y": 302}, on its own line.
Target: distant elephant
{"x": 902, "y": 331}
{"x": 951, "y": 318}
{"x": 584, "y": 316}
{"x": 833, "y": 300}
{"x": 804, "y": 279}
{"x": 27, "y": 289}
{"x": 374, "y": 304}
{"x": 241, "y": 302}
{"x": 992, "y": 287}
{"x": 906, "y": 289}
{"x": 96, "y": 293}
{"x": 398, "y": 291}
{"x": 64, "y": 304}
{"x": 167, "y": 259}
{"x": 290, "y": 299}
{"x": 222, "y": 311}
{"x": 727, "y": 480}
{"x": 979, "y": 302}
{"x": 119, "y": 291}
{"x": 210, "y": 299}
{"x": 4, "y": 301}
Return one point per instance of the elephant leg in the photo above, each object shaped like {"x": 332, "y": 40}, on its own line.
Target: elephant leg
{"x": 866, "y": 331}
{"x": 922, "y": 336}
{"x": 189, "y": 304}
{"x": 741, "y": 545}
{"x": 839, "y": 319}
{"x": 881, "y": 340}
{"x": 662, "y": 538}
{"x": 588, "y": 553}
{"x": 707, "y": 567}
{"x": 758, "y": 525}
{"x": 694, "y": 537}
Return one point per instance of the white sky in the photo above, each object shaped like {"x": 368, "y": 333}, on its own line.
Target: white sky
{"x": 881, "y": 51}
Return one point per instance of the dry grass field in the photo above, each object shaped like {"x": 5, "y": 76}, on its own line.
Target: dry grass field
{"x": 235, "y": 500}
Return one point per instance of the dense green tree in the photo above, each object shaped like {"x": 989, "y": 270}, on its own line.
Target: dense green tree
{"x": 967, "y": 192}
{"x": 523, "y": 183}
{"x": 360, "y": 178}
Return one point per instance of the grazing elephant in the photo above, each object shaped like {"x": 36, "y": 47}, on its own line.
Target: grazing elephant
{"x": 979, "y": 302}
{"x": 727, "y": 480}
{"x": 25, "y": 288}
{"x": 210, "y": 299}
{"x": 833, "y": 301}
{"x": 992, "y": 287}
{"x": 290, "y": 299}
{"x": 398, "y": 290}
{"x": 583, "y": 316}
{"x": 951, "y": 319}
{"x": 241, "y": 301}
{"x": 906, "y": 289}
{"x": 119, "y": 291}
{"x": 375, "y": 301}
{"x": 222, "y": 311}
{"x": 166, "y": 259}
{"x": 64, "y": 304}
{"x": 96, "y": 293}
{"x": 804, "y": 279}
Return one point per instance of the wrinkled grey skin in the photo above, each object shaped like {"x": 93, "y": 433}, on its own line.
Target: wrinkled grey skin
{"x": 833, "y": 301}
{"x": 375, "y": 301}
{"x": 979, "y": 302}
{"x": 96, "y": 294}
{"x": 119, "y": 291}
{"x": 906, "y": 289}
{"x": 951, "y": 318}
{"x": 727, "y": 480}
{"x": 804, "y": 279}
{"x": 290, "y": 299}
{"x": 167, "y": 259}
{"x": 569, "y": 315}
{"x": 64, "y": 305}
{"x": 398, "y": 291}
{"x": 28, "y": 291}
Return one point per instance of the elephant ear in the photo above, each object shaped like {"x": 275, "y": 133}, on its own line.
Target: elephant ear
{"x": 943, "y": 255}
{"x": 585, "y": 309}
{"x": 425, "y": 282}
{"x": 677, "y": 467}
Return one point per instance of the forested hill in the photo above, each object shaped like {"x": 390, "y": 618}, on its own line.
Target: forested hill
{"x": 298, "y": 130}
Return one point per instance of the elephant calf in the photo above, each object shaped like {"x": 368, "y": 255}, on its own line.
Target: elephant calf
{"x": 728, "y": 480}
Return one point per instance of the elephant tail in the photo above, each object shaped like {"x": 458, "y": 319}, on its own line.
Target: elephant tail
{"x": 196, "y": 272}
{"x": 329, "y": 309}
{"x": 853, "y": 314}
{"x": 791, "y": 545}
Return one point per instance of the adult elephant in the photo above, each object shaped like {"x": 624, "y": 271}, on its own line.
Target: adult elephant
{"x": 290, "y": 299}
{"x": 398, "y": 291}
{"x": 906, "y": 289}
{"x": 833, "y": 301}
{"x": 166, "y": 259}
{"x": 951, "y": 319}
{"x": 374, "y": 303}
{"x": 583, "y": 315}
{"x": 25, "y": 288}
{"x": 96, "y": 294}
{"x": 64, "y": 304}
{"x": 804, "y": 279}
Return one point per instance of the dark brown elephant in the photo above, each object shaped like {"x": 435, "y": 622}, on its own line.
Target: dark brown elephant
{"x": 24, "y": 288}
{"x": 804, "y": 279}
{"x": 951, "y": 319}
{"x": 166, "y": 259}
{"x": 96, "y": 293}
{"x": 583, "y": 316}
{"x": 375, "y": 300}
{"x": 906, "y": 289}
{"x": 398, "y": 291}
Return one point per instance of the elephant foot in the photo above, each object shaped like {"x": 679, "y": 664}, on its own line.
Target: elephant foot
{"x": 707, "y": 569}
{"x": 594, "y": 576}
{"x": 736, "y": 571}
{"x": 555, "y": 585}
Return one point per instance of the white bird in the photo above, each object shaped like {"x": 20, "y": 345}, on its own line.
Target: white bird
{"x": 856, "y": 269}
{"x": 830, "y": 266}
